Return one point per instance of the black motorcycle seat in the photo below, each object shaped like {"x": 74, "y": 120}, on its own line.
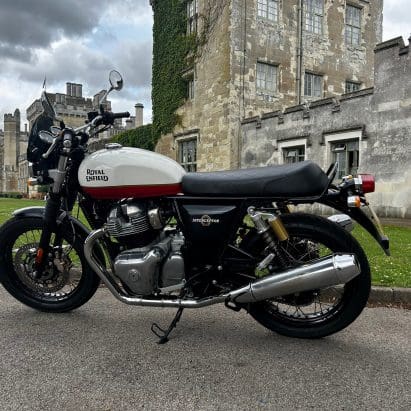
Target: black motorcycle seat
{"x": 297, "y": 180}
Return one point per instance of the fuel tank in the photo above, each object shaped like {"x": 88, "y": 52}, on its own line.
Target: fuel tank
{"x": 124, "y": 172}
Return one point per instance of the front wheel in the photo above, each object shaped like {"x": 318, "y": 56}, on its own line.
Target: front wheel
{"x": 67, "y": 281}
{"x": 314, "y": 313}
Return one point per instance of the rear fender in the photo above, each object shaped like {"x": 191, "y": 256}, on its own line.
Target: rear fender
{"x": 361, "y": 218}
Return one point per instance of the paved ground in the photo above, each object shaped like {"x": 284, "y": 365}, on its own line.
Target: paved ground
{"x": 104, "y": 357}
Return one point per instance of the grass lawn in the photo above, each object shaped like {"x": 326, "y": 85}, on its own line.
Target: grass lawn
{"x": 386, "y": 271}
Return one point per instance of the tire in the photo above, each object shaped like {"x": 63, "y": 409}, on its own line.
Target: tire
{"x": 353, "y": 296}
{"x": 18, "y": 239}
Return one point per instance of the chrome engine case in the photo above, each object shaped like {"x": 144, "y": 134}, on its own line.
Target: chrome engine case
{"x": 159, "y": 267}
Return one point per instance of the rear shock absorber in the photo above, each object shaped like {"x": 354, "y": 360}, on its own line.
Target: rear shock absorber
{"x": 271, "y": 230}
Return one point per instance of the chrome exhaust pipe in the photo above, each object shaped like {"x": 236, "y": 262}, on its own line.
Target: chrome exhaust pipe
{"x": 326, "y": 272}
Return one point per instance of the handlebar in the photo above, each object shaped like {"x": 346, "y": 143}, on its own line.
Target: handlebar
{"x": 126, "y": 114}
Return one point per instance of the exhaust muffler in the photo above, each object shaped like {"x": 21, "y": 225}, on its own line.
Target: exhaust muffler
{"x": 326, "y": 272}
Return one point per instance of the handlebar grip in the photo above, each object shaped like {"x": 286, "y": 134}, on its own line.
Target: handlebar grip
{"x": 121, "y": 115}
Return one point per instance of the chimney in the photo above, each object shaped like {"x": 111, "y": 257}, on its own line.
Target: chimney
{"x": 129, "y": 124}
{"x": 139, "y": 114}
{"x": 79, "y": 90}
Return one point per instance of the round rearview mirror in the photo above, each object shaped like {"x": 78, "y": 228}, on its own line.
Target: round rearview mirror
{"x": 55, "y": 130}
{"x": 116, "y": 80}
{"x": 46, "y": 137}
{"x": 47, "y": 106}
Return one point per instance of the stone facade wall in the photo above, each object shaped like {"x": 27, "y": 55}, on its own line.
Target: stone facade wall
{"x": 277, "y": 43}
{"x": 206, "y": 115}
{"x": 225, "y": 73}
{"x": 379, "y": 118}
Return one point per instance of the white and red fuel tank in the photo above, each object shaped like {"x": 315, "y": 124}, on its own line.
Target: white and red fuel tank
{"x": 125, "y": 172}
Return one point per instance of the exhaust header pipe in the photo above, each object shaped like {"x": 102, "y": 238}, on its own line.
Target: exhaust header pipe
{"x": 321, "y": 273}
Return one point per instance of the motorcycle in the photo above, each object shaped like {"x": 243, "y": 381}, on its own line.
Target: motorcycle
{"x": 161, "y": 237}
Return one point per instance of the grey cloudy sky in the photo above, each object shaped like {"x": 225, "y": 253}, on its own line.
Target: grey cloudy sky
{"x": 80, "y": 41}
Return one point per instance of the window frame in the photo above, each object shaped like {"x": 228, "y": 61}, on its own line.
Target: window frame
{"x": 265, "y": 6}
{"x": 349, "y": 83}
{"x": 299, "y": 156}
{"x": 192, "y": 16}
{"x": 189, "y": 166}
{"x": 351, "y": 27}
{"x": 343, "y": 137}
{"x": 264, "y": 90}
{"x": 289, "y": 145}
{"x": 313, "y": 77}
{"x": 314, "y": 17}
{"x": 340, "y": 147}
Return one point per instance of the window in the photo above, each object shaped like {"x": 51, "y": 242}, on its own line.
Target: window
{"x": 187, "y": 154}
{"x": 192, "y": 13}
{"x": 266, "y": 78}
{"x": 190, "y": 88}
{"x": 268, "y": 9}
{"x": 313, "y": 85}
{"x": 293, "y": 154}
{"x": 353, "y": 26}
{"x": 347, "y": 155}
{"x": 351, "y": 86}
{"x": 314, "y": 13}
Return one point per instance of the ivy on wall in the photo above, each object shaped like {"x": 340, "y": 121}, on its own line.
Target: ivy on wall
{"x": 141, "y": 137}
{"x": 170, "y": 47}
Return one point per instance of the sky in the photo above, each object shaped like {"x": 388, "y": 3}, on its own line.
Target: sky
{"x": 80, "y": 41}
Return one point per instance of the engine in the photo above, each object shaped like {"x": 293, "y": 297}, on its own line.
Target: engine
{"x": 153, "y": 261}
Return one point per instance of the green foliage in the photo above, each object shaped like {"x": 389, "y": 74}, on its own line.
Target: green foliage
{"x": 141, "y": 137}
{"x": 171, "y": 46}
{"x": 11, "y": 195}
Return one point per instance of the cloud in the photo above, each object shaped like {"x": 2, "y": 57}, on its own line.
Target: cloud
{"x": 397, "y": 19}
{"x": 74, "y": 41}
{"x": 26, "y": 24}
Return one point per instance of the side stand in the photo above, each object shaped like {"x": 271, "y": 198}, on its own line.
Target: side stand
{"x": 163, "y": 334}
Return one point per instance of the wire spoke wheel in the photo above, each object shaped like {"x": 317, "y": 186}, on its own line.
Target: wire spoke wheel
{"x": 308, "y": 306}
{"x": 318, "y": 312}
{"x": 61, "y": 275}
{"x": 67, "y": 281}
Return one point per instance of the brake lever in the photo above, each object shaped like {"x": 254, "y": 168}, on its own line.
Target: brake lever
{"x": 51, "y": 148}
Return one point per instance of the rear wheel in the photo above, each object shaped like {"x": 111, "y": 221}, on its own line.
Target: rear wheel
{"x": 67, "y": 281}
{"x": 314, "y": 313}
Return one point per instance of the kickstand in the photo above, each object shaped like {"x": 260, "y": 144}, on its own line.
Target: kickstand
{"x": 163, "y": 334}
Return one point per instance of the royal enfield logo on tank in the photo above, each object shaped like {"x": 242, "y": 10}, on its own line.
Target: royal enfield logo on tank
{"x": 96, "y": 175}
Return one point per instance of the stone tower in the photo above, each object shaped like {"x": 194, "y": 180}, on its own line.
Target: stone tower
{"x": 11, "y": 151}
{"x": 139, "y": 115}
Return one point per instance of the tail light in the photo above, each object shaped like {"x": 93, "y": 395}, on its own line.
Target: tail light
{"x": 368, "y": 183}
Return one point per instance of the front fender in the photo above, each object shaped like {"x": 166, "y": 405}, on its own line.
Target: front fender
{"x": 79, "y": 227}
{"x": 38, "y": 212}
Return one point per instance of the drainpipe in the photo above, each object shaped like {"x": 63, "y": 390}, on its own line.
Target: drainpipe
{"x": 300, "y": 30}
{"x": 242, "y": 85}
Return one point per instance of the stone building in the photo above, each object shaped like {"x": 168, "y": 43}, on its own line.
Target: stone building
{"x": 259, "y": 56}
{"x": 71, "y": 107}
{"x": 367, "y": 131}
{"x": 13, "y": 145}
